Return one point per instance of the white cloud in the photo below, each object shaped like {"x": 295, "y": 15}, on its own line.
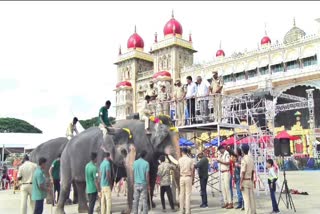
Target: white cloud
{"x": 61, "y": 54}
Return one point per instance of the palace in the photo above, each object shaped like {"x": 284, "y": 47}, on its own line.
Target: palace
{"x": 291, "y": 66}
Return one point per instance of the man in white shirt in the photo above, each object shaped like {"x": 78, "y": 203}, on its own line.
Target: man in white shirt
{"x": 190, "y": 97}
{"x": 203, "y": 90}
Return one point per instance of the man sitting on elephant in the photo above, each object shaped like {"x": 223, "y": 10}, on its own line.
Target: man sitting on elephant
{"x": 104, "y": 121}
{"x": 72, "y": 128}
{"x": 146, "y": 113}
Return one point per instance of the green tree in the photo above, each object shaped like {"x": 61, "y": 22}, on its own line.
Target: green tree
{"x": 13, "y": 125}
{"x": 94, "y": 122}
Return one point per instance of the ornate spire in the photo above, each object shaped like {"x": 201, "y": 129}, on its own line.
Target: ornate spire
{"x": 220, "y": 45}
{"x": 172, "y": 14}
{"x": 190, "y": 38}
{"x": 120, "y": 50}
{"x": 265, "y": 28}
{"x": 294, "y": 21}
{"x": 135, "y": 29}
{"x": 155, "y": 37}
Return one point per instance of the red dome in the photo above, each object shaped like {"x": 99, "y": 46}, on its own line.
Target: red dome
{"x": 265, "y": 40}
{"x": 220, "y": 53}
{"x": 135, "y": 41}
{"x": 124, "y": 84}
{"x": 162, "y": 74}
{"x": 172, "y": 26}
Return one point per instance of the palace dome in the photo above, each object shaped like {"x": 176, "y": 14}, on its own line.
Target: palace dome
{"x": 172, "y": 27}
{"x": 220, "y": 53}
{"x": 135, "y": 41}
{"x": 161, "y": 75}
{"x": 294, "y": 34}
{"x": 123, "y": 84}
{"x": 265, "y": 40}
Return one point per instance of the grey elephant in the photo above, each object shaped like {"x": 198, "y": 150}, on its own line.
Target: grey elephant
{"x": 77, "y": 154}
{"x": 49, "y": 150}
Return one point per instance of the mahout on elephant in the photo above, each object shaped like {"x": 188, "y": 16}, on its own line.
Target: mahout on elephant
{"x": 77, "y": 154}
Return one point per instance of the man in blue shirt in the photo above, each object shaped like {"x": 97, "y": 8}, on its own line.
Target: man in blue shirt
{"x": 39, "y": 186}
{"x": 105, "y": 181}
{"x": 141, "y": 183}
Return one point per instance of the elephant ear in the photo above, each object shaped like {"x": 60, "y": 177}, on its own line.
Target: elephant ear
{"x": 120, "y": 136}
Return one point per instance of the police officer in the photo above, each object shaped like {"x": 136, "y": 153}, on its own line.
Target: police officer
{"x": 163, "y": 101}
{"x": 216, "y": 89}
{"x": 179, "y": 94}
{"x": 152, "y": 91}
{"x": 246, "y": 181}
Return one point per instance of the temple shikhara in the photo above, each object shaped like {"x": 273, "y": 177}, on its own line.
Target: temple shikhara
{"x": 289, "y": 68}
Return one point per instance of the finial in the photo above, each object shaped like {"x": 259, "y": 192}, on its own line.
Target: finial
{"x": 220, "y": 45}
{"x": 120, "y": 50}
{"x": 155, "y": 37}
{"x": 172, "y": 14}
{"x": 265, "y": 29}
{"x": 294, "y": 21}
{"x": 190, "y": 38}
{"x": 135, "y": 28}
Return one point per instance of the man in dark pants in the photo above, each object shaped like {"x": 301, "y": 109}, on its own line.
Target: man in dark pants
{"x": 164, "y": 173}
{"x": 38, "y": 186}
{"x": 190, "y": 97}
{"x": 54, "y": 173}
{"x": 202, "y": 167}
{"x": 92, "y": 183}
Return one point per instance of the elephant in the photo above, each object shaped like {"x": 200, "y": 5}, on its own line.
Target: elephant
{"x": 77, "y": 154}
{"x": 49, "y": 150}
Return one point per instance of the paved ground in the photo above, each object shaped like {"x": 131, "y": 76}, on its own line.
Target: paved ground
{"x": 306, "y": 181}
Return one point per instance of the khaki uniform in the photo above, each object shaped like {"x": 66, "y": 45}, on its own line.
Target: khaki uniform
{"x": 145, "y": 114}
{"x": 163, "y": 106}
{"x": 186, "y": 166}
{"x": 152, "y": 92}
{"x": 179, "y": 94}
{"x": 70, "y": 130}
{"x": 225, "y": 177}
{"x": 26, "y": 171}
{"x": 217, "y": 99}
{"x": 247, "y": 166}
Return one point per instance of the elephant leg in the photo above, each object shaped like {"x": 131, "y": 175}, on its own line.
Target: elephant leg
{"x": 64, "y": 195}
{"x": 176, "y": 186}
{"x": 81, "y": 190}
{"x": 153, "y": 177}
{"x": 75, "y": 193}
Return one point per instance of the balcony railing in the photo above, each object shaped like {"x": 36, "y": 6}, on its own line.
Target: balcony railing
{"x": 145, "y": 74}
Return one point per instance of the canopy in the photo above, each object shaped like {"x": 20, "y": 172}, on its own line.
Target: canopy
{"x": 229, "y": 141}
{"x": 184, "y": 142}
{"x": 246, "y": 140}
{"x": 214, "y": 142}
{"x": 285, "y": 135}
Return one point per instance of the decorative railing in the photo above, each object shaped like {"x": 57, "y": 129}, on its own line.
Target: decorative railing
{"x": 145, "y": 74}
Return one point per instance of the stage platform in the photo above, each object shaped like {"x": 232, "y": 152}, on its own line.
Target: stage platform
{"x": 213, "y": 126}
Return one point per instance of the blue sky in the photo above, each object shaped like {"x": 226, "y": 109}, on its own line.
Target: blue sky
{"x": 56, "y": 58}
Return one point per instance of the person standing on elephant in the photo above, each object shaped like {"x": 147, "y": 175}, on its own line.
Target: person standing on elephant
{"x": 179, "y": 94}
{"x": 72, "y": 128}
{"x": 163, "y": 99}
{"x": 186, "y": 167}
{"x": 203, "y": 166}
{"x": 54, "y": 172}
{"x": 216, "y": 90}
{"x": 146, "y": 114}
{"x": 105, "y": 181}
{"x": 104, "y": 121}
{"x": 25, "y": 174}
{"x": 141, "y": 183}
{"x": 39, "y": 190}
{"x": 92, "y": 184}
{"x": 164, "y": 170}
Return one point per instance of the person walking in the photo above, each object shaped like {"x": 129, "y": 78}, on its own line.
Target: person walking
{"x": 25, "y": 175}
{"x": 165, "y": 181}
{"x": 246, "y": 181}
{"x": 39, "y": 190}
{"x": 141, "y": 183}
{"x": 105, "y": 181}
{"x": 72, "y": 128}
{"x": 237, "y": 170}
{"x": 190, "y": 97}
{"x": 186, "y": 167}
{"x": 92, "y": 184}
{"x": 54, "y": 173}
{"x": 272, "y": 179}
{"x": 224, "y": 161}
{"x": 104, "y": 121}
{"x": 203, "y": 166}
{"x": 216, "y": 90}
{"x": 203, "y": 90}
{"x": 178, "y": 95}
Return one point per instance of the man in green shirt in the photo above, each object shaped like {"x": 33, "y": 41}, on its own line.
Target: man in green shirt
{"x": 203, "y": 166}
{"x": 38, "y": 186}
{"x": 92, "y": 184}
{"x": 141, "y": 183}
{"x": 54, "y": 173}
{"x": 105, "y": 181}
{"x": 104, "y": 121}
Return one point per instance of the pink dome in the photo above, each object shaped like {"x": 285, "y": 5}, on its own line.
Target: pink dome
{"x": 135, "y": 41}
{"x": 265, "y": 40}
{"x": 124, "y": 84}
{"x": 172, "y": 27}
{"x": 162, "y": 74}
{"x": 220, "y": 53}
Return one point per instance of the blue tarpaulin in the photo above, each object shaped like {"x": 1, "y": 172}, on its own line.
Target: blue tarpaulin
{"x": 184, "y": 142}
{"x": 214, "y": 142}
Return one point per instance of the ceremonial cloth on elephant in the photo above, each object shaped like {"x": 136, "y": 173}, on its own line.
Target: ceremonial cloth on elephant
{"x": 91, "y": 176}
{"x": 104, "y": 169}
{"x": 38, "y": 179}
{"x": 140, "y": 169}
